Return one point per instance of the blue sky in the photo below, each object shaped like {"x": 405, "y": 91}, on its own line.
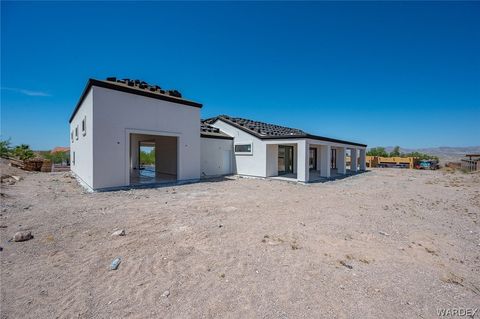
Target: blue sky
{"x": 381, "y": 73}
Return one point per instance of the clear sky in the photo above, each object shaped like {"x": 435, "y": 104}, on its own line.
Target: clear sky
{"x": 380, "y": 73}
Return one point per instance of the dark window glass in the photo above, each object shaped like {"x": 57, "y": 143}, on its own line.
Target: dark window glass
{"x": 243, "y": 148}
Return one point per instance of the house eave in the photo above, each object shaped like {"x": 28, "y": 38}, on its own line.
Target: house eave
{"x": 221, "y": 137}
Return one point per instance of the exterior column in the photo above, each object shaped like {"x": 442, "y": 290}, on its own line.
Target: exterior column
{"x": 303, "y": 171}
{"x": 363, "y": 159}
{"x": 353, "y": 160}
{"x": 325, "y": 158}
{"x": 318, "y": 148}
{"x": 341, "y": 161}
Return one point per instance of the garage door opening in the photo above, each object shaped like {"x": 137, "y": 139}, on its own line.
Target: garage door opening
{"x": 153, "y": 159}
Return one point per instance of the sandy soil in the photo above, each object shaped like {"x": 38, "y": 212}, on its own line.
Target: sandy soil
{"x": 384, "y": 244}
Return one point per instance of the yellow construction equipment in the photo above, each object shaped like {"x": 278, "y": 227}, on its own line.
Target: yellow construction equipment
{"x": 396, "y": 161}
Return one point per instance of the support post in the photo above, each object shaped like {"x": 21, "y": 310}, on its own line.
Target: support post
{"x": 363, "y": 159}
{"x": 303, "y": 171}
{"x": 325, "y": 155}
{"x": 341, "y": 161}
{"x": 353, "y": 160}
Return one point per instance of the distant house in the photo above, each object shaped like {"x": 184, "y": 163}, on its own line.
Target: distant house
{"x": 60, "y": 149}
{"x": 116, "y": 122}
{"x": 62, "y": 160}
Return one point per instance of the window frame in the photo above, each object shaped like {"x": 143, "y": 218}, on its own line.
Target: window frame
{"x": 76, "y": 132}
{"x": 243, "y": 144}
{"x": 84, "y": 126}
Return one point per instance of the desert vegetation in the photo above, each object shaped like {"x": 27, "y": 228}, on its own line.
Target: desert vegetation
{"x": 381, "y": 151}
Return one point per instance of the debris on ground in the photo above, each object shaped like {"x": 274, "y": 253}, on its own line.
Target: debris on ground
{"x": 115, "y": 263}
{"x": 22, "y": 236}
{"x": 120, "y": 232}
{"x": 166, "y": 293}
{"x": 343, "y": 263}
{"x": 451, "y": 278}
{"x": 383, "y": 233}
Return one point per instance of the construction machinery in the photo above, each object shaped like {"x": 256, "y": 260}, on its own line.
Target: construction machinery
{"x": 395, "y": 162}
{"x": 427, "y": 164}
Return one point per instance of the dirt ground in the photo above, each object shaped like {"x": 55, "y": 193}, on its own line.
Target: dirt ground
{"x": 385, "y": 244}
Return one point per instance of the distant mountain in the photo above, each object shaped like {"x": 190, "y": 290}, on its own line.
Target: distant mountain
{"x": 444, "y": 153}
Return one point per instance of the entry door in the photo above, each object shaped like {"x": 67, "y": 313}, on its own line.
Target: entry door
{"x": 312, "y": 161}
{"x": 285, "y": 159}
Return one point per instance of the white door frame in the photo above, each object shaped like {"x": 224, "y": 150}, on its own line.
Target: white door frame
{"x": 129, "y": 131}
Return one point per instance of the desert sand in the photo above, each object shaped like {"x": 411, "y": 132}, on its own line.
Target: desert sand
{"x": 388, "y": 243}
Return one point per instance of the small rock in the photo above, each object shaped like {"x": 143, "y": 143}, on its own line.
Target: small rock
{"x": 120, "y": 232}
{"x": 22, "y": 236}
{"x": 166, "y": 293}
{"x": 220, "y": 226}
{"x": 343, "y": 263}
{"x": 383, "y": 233}
{"x": 115, "y": 263}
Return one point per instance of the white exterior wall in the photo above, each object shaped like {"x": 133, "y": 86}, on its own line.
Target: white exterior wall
{"x": 254, "y": 164}
{"x": 117, "y": 114}
{"x": 263, "y": 162}
{"x": 216, "y": 156}
{"x": 272, "y": 160}
{"x": 83, "y": 146}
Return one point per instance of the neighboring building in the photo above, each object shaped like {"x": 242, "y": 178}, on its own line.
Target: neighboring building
{"x": 64, "y": 159}
{"x": 471, "y": 163}
{"x": 115, "y": 121}
{"x": 60, "y": 149}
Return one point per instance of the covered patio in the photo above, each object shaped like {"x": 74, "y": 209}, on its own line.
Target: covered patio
{"x": 309, "y": 160}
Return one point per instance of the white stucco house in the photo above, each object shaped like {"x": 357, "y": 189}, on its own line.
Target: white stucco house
{"x": 116, "y": 120}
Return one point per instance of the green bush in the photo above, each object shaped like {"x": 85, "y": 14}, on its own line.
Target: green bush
{"x": 377, "y": 151}
{"x": 380, "y": 151}
{"x": 147, "y": 158}
{"x": 5, "y": 148}
{"x": 23, "y": 152}
{"x": 58, "y": 157}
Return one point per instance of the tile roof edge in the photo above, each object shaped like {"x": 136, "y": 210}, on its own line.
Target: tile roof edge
{"x": 307, "y": 135}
